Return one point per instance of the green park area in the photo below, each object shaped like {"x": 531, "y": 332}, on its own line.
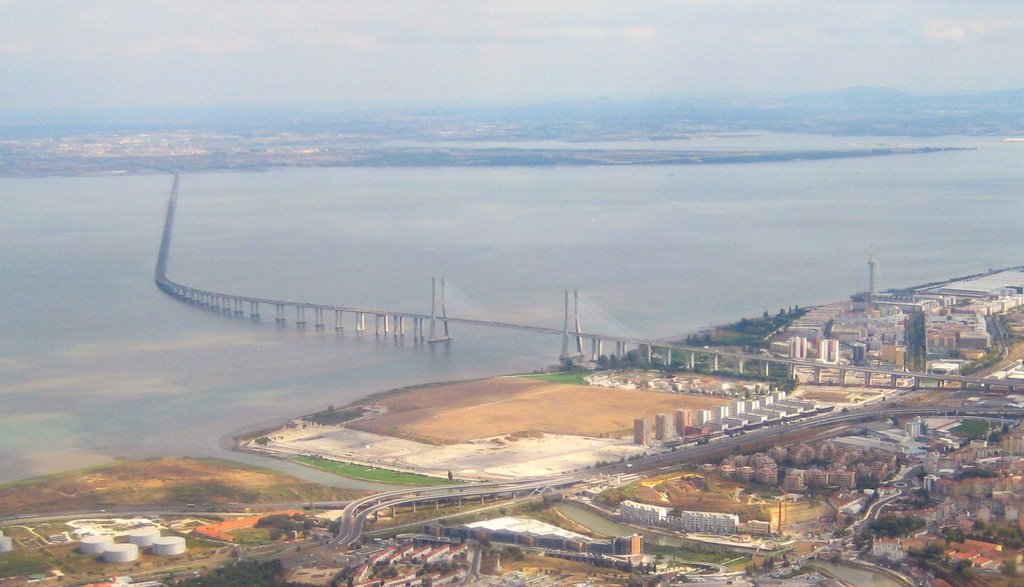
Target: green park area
{"x": 369, "y": 473}
{"x": 972, "y": 428}
{"x": 567, "y": 377}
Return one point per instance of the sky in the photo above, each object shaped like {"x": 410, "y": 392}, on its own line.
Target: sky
{"x": 57, "y": 55}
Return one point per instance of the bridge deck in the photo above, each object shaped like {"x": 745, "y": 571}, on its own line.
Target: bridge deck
{"x": 190, "y": 294}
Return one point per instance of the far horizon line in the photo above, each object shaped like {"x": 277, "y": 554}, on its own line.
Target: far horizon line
{"x": 367, "y": 106}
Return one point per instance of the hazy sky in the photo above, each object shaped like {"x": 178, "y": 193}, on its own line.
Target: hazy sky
{"x": 110, "y": 53}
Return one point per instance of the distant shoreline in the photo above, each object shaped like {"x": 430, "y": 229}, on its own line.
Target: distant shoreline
{"x": 424, "y": 157}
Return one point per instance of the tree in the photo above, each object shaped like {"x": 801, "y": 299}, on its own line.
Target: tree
{"x": 450, "y": 475}
{"x": 1009, "y": 567}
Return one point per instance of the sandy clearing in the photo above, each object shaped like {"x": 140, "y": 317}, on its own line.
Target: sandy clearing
{"x": 460, "y": 412}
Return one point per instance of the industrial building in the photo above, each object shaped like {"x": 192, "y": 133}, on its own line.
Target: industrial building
{"x": 168, "y": 546}
{"x": 95, "y": 544}
{"x": 533, "y": 533}
{"x": 122, "y": 552}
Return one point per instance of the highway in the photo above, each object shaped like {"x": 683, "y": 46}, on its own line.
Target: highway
{"x": 356, "y": 512}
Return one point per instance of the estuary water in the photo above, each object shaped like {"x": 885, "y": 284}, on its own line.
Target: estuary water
{"x": 96, "y": 363}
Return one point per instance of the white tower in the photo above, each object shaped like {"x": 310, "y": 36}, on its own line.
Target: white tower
{"x": 872, "y": 278}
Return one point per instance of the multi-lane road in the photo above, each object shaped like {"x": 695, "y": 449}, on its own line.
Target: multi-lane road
{"x": 355, "y": 513}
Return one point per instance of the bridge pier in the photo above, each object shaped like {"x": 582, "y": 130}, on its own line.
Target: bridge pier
{"x": 867, "y": 379}
{"x": 300, "y": 316}
{"x": 739, "y": 368}
{"x": 842, "y": 377}
{"x": 817, "y": 374}
{"x": 668, "y": 357}
{"x": 254, "y": 310}
{"x": 767, "y": 368}
{"x": 595, "y": 349}
{"x": 279, "y": 314}
{"x": 360, "y": 322}
{"x": 319, "y": 316}
{"x": 649, "y": 350}
{"x": 433, "y": 313}
{"x": 893, "y": 379}
{"x": 714, "y": 361}
{"x": 339, "y": 324}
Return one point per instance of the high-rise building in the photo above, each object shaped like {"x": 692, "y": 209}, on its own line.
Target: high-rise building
{"x": 704, "y": 417}
{"x": 640, "y": 431}
{"x": 661, "y": 429}
{"x": 915, "y": 427}
{"x": 1013, "y": 444}
{"x": 794, "y": 481}
{"x": 872, "y": 278}
{"x": 683, "y": 420}
{"x": 860, "y": 353}
{"x": 798, "y": 347}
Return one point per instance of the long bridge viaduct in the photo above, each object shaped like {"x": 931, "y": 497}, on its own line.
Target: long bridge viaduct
{"x": 435, "y": 327}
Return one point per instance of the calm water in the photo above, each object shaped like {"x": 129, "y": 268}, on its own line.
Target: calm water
{"x": 604, "y": 526}
{"x": 851, "y": 575}
{"x": 95, "y": 362}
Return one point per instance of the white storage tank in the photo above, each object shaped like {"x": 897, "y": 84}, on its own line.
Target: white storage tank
{"x": 95, "y": 544}
{"x": 169, "y": 546}
{"x": 143, "y": 537}
{"x": 6, "y": 543}
{"x": 121, "y": 553}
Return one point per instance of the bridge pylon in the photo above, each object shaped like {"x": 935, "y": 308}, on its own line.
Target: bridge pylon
{"x": 434, "y": 337}
{"x": 573, "y": 350}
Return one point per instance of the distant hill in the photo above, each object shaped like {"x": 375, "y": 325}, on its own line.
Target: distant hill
{"x": 850, "y": 111}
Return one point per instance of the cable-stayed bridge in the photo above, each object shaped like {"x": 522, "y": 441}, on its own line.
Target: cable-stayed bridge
{"x": 436, "y": 327}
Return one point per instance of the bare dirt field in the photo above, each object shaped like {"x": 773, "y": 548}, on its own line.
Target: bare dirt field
{"x": 838, "y": 395}
{"x": 691, "y": 491}
{"x": 160, "y": 481}
{"x": 460, "y": 412}
{"x": 487, "y": 458}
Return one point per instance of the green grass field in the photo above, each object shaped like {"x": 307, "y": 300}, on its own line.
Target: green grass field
{"x": 22, "y": 562}
{"x": 569, "y": 378}
{"x": 971, "y": 428}
{"x": 368, "y": 474}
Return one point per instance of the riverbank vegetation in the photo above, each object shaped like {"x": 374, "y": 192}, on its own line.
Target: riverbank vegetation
{"x": 747, "y": 332}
